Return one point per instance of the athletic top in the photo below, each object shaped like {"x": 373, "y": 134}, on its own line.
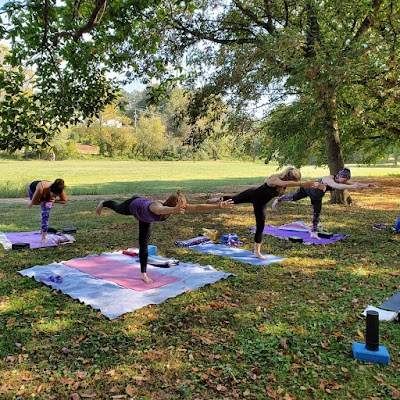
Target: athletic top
{"x": 328, "y": 188}
{"x": 140, "y": 209}
{"x": 33, "y": 186}
{"x": 260, "y": 195}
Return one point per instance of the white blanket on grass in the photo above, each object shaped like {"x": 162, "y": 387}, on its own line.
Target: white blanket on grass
{"x": 113, "y": 300}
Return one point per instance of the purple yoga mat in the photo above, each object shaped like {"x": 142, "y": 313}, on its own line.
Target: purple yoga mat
{"x": 34, "y": 239}
{"x": 284, "y": 234}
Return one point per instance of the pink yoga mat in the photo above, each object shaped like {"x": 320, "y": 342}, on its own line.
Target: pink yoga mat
{"x": 126, "y": 275}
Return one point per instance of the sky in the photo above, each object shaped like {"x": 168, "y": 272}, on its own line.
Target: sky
{"x": 129, "y": 88}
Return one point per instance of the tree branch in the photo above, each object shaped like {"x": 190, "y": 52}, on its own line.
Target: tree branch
{"x": 209, "y": 36}
{"x": 46, "y": 22}
{"x": 92, "y": 20}
{"x": 368, "y": 20}
{"x": 267, "y": 26}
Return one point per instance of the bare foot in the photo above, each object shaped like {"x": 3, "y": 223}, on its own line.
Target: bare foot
{"x": 259, "y": 255}
{"x": 275, "y": 204}
{"x": 99, "y": 208}
{"x": 146, "y": 278}
{"x": 314, "y": 235}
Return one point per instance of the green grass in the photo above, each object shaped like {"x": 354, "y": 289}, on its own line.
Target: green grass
{"x": 136, "y": 177}
{"x": 283, "y": 331}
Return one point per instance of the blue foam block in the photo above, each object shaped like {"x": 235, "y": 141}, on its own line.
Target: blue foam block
{"x": 380, "y": 356}
{"x": 152, "y": 250}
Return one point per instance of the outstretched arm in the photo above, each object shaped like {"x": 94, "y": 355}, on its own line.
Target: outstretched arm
{"x": 159, "y": 209}
{"x": 275, "y": 181}
{"x": 365, "y": 185}
{"x": 206, "y": 207}
{"x": 328, "y": 180}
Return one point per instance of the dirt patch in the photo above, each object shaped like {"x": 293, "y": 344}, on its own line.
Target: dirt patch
{"x": 190, "y": 197}
{"x": 387, "y": 187}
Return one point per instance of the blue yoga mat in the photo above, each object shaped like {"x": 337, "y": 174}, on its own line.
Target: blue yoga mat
{"x": 235, "y": 253}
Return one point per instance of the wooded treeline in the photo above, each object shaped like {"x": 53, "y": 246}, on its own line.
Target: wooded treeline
{"x": 290, "y": 80}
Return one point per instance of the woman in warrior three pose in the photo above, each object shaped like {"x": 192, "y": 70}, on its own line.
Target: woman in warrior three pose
{"x": 274, "y": 186}
{"x": 147, "y": 211}
{"x": 339, "y": 181}
{"x": 46, "y": 193}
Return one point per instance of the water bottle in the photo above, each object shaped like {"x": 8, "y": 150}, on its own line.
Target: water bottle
{"x": 319, "y": 227}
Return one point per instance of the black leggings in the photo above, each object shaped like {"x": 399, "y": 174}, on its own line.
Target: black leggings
{"x": 259, "y": 202}
{"x": 144, "y": 229}
{"x": 315, "y": 195}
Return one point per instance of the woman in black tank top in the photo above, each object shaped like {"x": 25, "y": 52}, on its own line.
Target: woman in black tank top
{"x": 274, "y": 186}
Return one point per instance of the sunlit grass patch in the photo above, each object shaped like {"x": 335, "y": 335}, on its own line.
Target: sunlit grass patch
{"x": 275, "y": 331}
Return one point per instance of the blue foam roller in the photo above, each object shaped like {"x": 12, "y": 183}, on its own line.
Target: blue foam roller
{"x": 380, "y": 356}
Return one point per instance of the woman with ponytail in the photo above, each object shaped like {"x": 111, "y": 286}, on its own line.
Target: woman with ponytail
{"x": 148, "y": 211}
{"x": 274, "y": 186}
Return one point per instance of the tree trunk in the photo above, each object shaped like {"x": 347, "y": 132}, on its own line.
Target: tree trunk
{"x": 333, "y": 146}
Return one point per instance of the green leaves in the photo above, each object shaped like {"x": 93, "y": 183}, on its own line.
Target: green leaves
{"x": 340, "y": 58}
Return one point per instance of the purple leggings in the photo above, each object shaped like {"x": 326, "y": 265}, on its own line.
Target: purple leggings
{"x": 46, "y": 208}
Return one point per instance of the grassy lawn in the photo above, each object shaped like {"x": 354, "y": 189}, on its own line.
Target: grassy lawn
{"x": 85, "y": 177}
{"x": 283, "y": 331}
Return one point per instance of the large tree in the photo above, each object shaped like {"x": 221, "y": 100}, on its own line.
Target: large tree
{"x": 335, "y": 60}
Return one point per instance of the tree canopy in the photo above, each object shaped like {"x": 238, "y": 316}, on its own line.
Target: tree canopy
{"x": 332, "y": 64}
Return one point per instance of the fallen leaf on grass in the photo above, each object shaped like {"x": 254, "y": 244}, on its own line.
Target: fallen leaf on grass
{"x": 139, "y": 378}
{"x": 221, "y": 388}
{"x": 130, "y": 390}
{"x": 327, "y": 386}
{"x": 395, "y": 392}
{"x": 10, "y": 322}
{"x": 66, "y": 381}
{"x": 325, "y": 344}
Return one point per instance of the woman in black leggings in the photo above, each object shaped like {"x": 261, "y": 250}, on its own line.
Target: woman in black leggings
{"x": 339, "y": 181}
{"x": 274, "y": 186}
{"x": 147, "y": 211}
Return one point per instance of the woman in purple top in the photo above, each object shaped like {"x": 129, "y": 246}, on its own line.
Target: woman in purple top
{"x": 147, "y": 211}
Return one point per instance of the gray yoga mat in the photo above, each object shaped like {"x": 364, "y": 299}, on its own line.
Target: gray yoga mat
{"x": 392, "y": 303}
